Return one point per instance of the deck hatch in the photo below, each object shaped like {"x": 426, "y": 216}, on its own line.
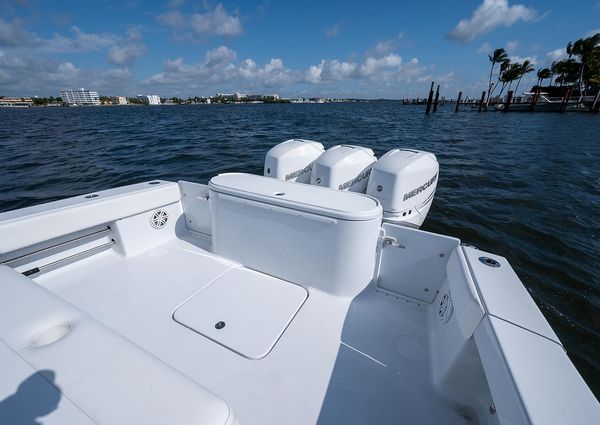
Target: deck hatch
{"x": 243, "y": 310}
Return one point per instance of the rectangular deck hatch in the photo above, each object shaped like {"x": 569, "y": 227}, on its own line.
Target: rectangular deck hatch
{"x": 243, "y": 310}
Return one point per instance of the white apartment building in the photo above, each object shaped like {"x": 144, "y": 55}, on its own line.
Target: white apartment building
{"x": 80, "y": 97}
{"x": 152, "y": 99}
{"x": 121, "y": 100}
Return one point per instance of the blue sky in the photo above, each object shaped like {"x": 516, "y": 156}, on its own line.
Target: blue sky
{"x": 388, "y": 49}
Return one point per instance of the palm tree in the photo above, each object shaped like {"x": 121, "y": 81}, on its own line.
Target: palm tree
{"x": 510, "y": 74}
{"x": 543, "y": 74}
{"x": 567, "y": 71}
{"x": 499, "y": 56}
{"x": 526, "y": 68}
{"x": 504, "y": 65}
{"x": 585, "y": 49}
{"x": 553, "y": 71}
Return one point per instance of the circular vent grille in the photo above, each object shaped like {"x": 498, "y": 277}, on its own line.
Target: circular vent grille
{"x": 445, "y": 308}
{"x": 159, "y": 219}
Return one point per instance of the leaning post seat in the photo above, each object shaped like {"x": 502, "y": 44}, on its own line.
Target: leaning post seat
{"x": 312, "y": 236}
{"x": 98, "y": 375}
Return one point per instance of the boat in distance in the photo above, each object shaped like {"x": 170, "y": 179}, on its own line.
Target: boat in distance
{"x": 306, "y": 295}
{"x": 545, "y": 103}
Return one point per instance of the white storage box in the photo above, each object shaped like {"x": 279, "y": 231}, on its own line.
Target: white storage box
{"x": 315, "y": 237}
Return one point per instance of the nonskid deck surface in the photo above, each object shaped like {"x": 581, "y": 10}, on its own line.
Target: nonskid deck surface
{"x": 358, "y": 362}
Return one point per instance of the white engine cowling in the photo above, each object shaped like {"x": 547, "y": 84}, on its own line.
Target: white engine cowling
{"x": 404, "y": 181}
{"x": 292, "y": 160}
{"x": 343, "y": 167}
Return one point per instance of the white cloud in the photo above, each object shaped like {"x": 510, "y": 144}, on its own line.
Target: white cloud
{"x": 35, "y": 75}
{"x": 124, "y": 53}
{"x": 386, "y": 46}
{"x": 520, "y": 59}
{"x": 217, "y": 66}
{"x": 13, "y": 35}
{"x": 332, "y": 31}
{"x": 592, "y": 32}
{"x": 490, "y": 15}
{"x": 375, "y": 67}
{"x": 221, "y": 71}
{"x": 329, "y": 70}
{"x": 511, "y": 46}
{"x": 376, "y": 70}
{"x": 218, "y": 56}
{"x": 173, "y": 19}
{"x": 556, "y": 54}
{"x": 215, "y": 21}
{"x": 485, "y": 48}
{"x": 275, "y": 74}
{"x": 447, "y": 77}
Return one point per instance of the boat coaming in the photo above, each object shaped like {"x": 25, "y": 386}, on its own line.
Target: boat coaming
{"x": 268, "y": 302}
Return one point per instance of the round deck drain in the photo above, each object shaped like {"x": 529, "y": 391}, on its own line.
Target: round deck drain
{"x": 219, "y": 325}
{"x": 490, "y": 262}
{"x": 445, "y": 308}
{"x": 159, "y": 219}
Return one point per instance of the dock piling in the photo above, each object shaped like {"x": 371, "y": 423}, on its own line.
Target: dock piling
{"x": 534, "y": 100}
{"x": 509, "y": 98}
{"x": 481, "y": 101}
{"x": 429, "y": 99}
{"x": 595, "y": 103}
{"x": 566, "y": 98}
{"x": 458, "y": 101}
{"x": 437, "y": 98}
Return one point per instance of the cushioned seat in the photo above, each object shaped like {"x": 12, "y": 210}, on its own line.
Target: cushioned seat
{"x": 92, "y": 369}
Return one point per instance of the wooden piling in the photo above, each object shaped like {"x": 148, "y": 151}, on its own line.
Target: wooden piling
{"x": 429, "y": 99}
{"x": 437, "y": 98}
{"x": 566, "y": 98}
{"x": 534, "y": 100}
{"x": 482, "y": 100}
{"x": 509, "y": 98}
{"x": 458, "y": 101}
{"x": 595, "y": 103}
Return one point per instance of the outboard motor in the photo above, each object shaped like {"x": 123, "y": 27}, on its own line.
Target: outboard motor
{"x": 404, "y": 181}
{"x": 344, "y": 167}
{"x": 292, "y": 160}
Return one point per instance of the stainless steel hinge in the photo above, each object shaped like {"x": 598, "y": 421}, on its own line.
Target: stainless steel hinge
{"x": 389, "y": 241}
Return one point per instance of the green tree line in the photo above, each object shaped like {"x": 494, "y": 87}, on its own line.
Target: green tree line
{"x": 580, "y": 70}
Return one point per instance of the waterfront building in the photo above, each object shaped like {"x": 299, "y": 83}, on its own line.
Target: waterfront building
{"x": 121, "y": 100}
{"x": 16, "y": 101}
{"x": 153, "y": 99}
{"x": 150, "y": 99}
{"x": 80, "y": 97}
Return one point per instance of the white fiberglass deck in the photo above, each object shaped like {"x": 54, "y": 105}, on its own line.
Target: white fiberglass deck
{"x": 338, "y": 362}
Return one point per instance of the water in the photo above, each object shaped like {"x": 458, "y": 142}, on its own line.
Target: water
{"x": 525, "y": 186}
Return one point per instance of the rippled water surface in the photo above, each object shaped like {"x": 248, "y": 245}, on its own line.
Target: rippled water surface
{"x": 525, "y": 186}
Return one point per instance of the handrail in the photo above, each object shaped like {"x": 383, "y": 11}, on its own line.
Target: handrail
{"x": 20, "y": 257}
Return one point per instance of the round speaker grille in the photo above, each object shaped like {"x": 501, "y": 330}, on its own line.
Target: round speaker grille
{"x": 445, "y": 308}
{"x": 159, "y": 219}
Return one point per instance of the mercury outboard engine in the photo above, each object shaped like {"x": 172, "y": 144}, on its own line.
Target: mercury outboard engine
{"x": 292, "y": 160}
{"x": 404, "y": 181}
{"x": 344, "y": 167}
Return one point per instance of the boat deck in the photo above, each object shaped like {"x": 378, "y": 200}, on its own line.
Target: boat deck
{"x": 339, "y": 361}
